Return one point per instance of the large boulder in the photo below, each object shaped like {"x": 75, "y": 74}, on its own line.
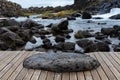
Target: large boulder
{"x": 29, "y": 24}
{"x": 91, "y": 46}
{"x": 63, "y": 25}
{"x": 84, "y": 43}
{"x": 25, "y": 34}
{"x": 60, "y": 38}
{"x": 61, "y": 62}
{"x": 107, "y": 31}
{"x": 8, "y": 22}
{"x": 9, "y": 37}
{"x": 96, "y": 47}
{"x": 60, "y": 27}
{"x": 12, "y": 40}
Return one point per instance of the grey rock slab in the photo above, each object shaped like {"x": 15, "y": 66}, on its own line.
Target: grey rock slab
{"x": 61, "y": 62}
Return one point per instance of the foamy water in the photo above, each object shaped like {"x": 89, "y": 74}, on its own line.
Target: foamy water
{"x": 113, "y": 11}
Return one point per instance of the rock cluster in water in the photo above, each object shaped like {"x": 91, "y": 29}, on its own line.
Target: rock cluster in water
{"x": 15, "y": 35}
{"x": 61, "y": 62}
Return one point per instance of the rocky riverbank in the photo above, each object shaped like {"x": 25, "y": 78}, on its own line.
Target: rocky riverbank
{"x": 91, "y": 6}
{"x": 79, "y": 35}
{"x": 76, "y": 32}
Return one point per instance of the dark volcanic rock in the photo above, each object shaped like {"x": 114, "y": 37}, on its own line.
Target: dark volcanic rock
{"x": 3, "y": 30}
{"x": 49, "y": 26}
{"x": 86, "y": 15}
{"x": 61, "y": 62}
{"x": 69, "y": 46}
{"x": 12, "y": 40}
{"x": 33, "y": 40}
{"x": 59, "y": 46}
{"x": 100, "y": 36}
{"x": 91, "y": 46}
{"x": 8, "y": 22}
{"x": 117, "y": 48}
{"x": 25, "y": 34}
{"x": 29, "y": 24}
{"x": 13, "y": 28}
{"x": 97, "y": 18}
{"x": 59, "y": 39}
{"x": 99, "y": 46}
{"x": 71, "y": 18}
{"x": 65, "y": 46}
{"x": 9, "y": 37}
{"x": 44, "y": 32}
{"x": 76, "y": 15}
{"x": 107, "y": 31}
{"x": 46, "y": 40}
{"x": 116, "y": 27}
{"x": 68, "y": 36}
{"x": 115, "y": 16}
{"x": 84, "y": 43}
{"x": 61, "y": 28}
{"x": 106, "y": 40}
{"x": 63, "y": 25}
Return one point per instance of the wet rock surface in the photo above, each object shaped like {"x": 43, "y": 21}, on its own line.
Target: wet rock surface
{"x": 61, "y": 62}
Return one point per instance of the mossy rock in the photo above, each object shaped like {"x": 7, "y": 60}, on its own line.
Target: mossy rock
{"x": 77, "y": 36}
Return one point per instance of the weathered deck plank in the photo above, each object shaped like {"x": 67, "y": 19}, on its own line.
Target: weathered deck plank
{"x": 11, "y": 68}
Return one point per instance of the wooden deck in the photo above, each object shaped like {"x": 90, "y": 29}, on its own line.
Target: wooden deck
{"x": 11, "y": 68}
